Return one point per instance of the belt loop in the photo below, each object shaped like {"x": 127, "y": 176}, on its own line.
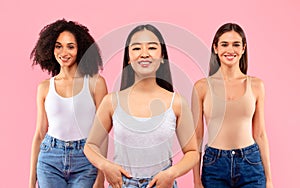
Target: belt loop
{"x": 219, "y": 153}
{"x": 52, "y": 142}
{"x": 242, "y": 153}
{"x": 78, "y": 144}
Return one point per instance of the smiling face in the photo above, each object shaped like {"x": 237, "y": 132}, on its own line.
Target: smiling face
{"x": 230, "y": 48}
{"x": 145, "y": 54}
{"x": 65, "y": 49}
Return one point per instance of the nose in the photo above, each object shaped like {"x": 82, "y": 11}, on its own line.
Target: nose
{"x": 64, "y": 51}
{"x": 144, "y": 52}
{"x": 230, "y": 49}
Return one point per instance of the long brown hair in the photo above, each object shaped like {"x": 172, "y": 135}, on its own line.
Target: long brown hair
{"x": 214, "y": 63}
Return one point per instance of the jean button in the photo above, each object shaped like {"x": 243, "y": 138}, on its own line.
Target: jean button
{"x": 233, "y": 152}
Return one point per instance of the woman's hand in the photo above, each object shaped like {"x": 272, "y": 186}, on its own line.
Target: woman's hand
{"x": 269, "y": 184}
{"x": 164, "y": 179}
{"x": 113, "y": 174}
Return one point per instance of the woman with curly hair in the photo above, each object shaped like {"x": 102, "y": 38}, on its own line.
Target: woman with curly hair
{"x": 66, "y": 106}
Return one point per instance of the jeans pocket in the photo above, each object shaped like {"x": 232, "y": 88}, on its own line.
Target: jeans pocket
{"x": 209, "y": 159}
{"x": 44, "y": 147}
{"x": 253, "y": 158}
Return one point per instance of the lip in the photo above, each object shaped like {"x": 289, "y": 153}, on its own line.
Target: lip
{"x": 64, "y": 59}
{"x": 230, "y": 56}
{"x": 144, "y": 63}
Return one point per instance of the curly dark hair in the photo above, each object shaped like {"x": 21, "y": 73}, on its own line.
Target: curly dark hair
{"x": 88, "y": 56}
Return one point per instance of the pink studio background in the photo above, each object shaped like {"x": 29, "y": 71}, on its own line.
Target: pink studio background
{"x": 272, "y": 29}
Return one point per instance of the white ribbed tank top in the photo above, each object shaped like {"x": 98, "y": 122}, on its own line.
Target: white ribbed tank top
{"x": 70, "y": 118}
{"x": 143, "y": 146}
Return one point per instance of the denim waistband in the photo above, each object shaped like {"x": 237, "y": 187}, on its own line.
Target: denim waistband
{"x": 54, "y": 142}
{"x": 237, "y": 152}
{"x": 138, "y": 182}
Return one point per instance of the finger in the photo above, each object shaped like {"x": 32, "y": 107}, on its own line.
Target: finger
{"x": 116, "y": 186}
{"x": 125, "y": 173}
{"x": 152, "y": 183}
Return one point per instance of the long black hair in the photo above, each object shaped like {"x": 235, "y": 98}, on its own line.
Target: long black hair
{"x": 214, "y": 63}
{"x": 163, "y": 74}
{"x": 88, "y": 56}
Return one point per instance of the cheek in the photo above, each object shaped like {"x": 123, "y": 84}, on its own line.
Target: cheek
{"x": 55, "y": 52}
{"x": 74, "y": 53}
{"x": 221, "y": 51}
{"x": 156, "y": 54}
{"x": 133, "y": 55}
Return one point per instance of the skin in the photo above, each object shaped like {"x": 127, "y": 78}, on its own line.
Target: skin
{"x": 230, "y": 49}
{"x": 145, "y": 57}
{"x": 67, "y": 84}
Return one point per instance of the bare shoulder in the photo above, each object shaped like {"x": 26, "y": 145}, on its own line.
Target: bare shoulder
{"x": 201, "y": 84}
{"x": 179, "y": 104}
{"x": 200, "y": 88}
{"x": 43, "y": 88}
{"x": 257, "y": 86}
{"x": 107, "y": 103}
{"x": 97, "y": 80}
{"x": 108, "y": 99}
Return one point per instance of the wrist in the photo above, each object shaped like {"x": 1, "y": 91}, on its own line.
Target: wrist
{"x": 197, "y": 181}
{"x": 172, "y": 173}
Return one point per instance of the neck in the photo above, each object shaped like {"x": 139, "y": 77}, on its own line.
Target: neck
{"x": 230, "y": 73}
{"x": 68, "y": 73}
{"x": 145, "y": 84}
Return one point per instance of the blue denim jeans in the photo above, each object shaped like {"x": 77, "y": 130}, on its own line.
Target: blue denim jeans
{"x": 140, "y": 182}
{"x": 63, "y": 165}
{"x": 240, "y": 168}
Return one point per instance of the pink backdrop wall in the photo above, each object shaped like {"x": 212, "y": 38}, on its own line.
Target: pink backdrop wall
{"x": 272, "y": 29}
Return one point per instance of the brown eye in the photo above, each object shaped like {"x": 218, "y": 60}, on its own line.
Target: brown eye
{"x": 57, "y": 46}
{"x": 136, "y": 48}
{"x": 152, "y": 48}
{"x": 71, "y": 47}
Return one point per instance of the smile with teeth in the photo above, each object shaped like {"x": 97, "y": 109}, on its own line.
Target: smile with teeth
{"x": 230, "y": 56}
{"x": 64, "y": 58}
{"x": 144, "y": 63}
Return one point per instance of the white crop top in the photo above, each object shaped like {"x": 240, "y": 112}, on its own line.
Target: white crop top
{"x": 143, "y": 146}
{"x": 70, "y": 118}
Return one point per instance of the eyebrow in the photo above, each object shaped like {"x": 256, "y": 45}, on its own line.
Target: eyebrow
{"x": 233, "y": 42}
{"x": 67, "y": 43}
{"x": 139, "y": 43}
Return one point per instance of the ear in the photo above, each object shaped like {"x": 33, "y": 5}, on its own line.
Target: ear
{"x": 162, "y": 60}
{"x": 215, "y": 49}
{"x": 244, "y": 49}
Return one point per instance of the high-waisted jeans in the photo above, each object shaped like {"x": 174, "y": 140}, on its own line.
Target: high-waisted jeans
{"x": 63, "y": 164}
{"x": 140, "y": 182}
{"x": 240, "y": 168}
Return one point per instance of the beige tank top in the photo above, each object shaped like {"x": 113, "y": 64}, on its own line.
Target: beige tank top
{"x": 229, "y": 122}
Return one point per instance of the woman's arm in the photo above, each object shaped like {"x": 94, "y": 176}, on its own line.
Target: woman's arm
{"x": 197, "y": 110}
{"x": 259, "y": 131}
{"x": 40, "y": 132}
{"x": 99, "y": 90}
{"x": 187, "y": 139}
{"x": 93, "y": 148}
